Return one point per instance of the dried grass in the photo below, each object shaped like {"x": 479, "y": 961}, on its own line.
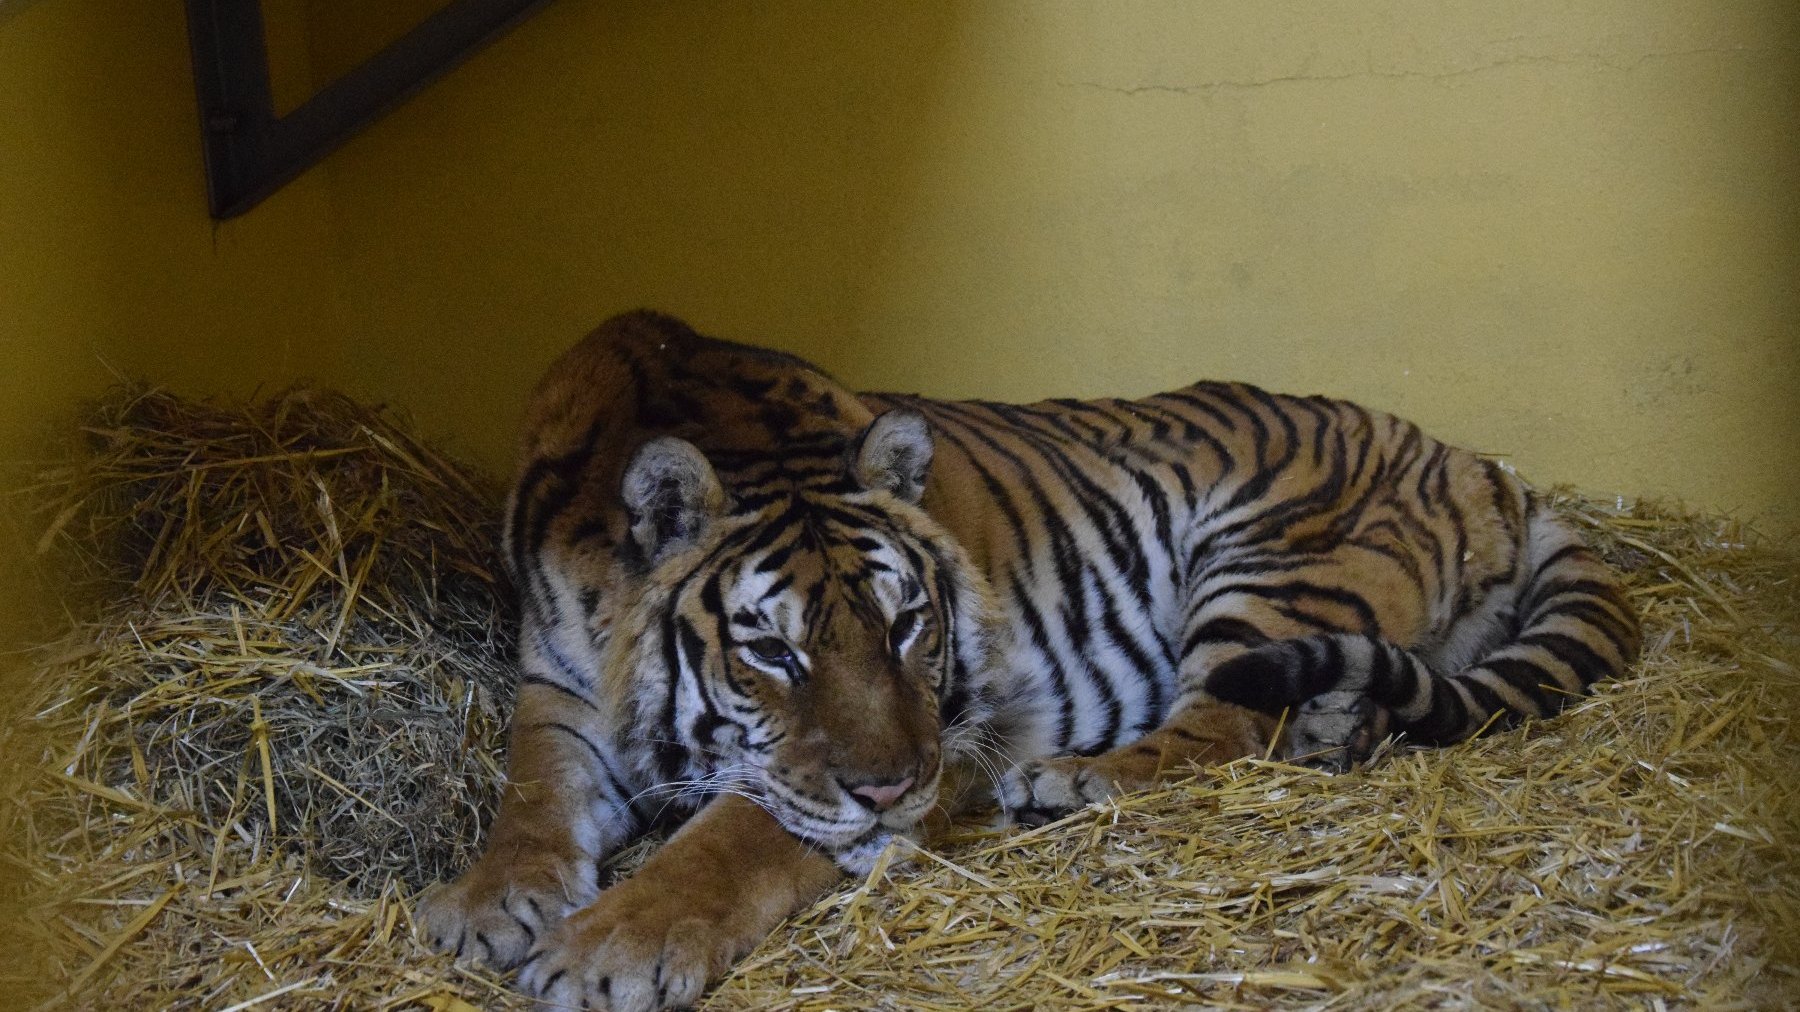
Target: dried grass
{"x": 284, "y": 714}
{"x": 225, "y": 787}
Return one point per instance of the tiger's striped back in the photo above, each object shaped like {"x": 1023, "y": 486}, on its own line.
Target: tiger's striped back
{"x": 1221, "y": 542}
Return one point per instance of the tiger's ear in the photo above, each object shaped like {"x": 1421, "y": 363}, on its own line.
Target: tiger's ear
{"x": 670, "y": 494}
{"x": 893, "y": 453}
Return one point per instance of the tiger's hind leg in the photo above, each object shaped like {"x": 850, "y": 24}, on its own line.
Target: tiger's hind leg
{"x": 1518, "y": 656}
{"x": 1323, "y": 685}
{"x": 1205, "y": 732}
{"x": 1199, "y": 729}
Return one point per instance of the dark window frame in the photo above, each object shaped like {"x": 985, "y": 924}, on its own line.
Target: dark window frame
{"x": 250, "y": 152}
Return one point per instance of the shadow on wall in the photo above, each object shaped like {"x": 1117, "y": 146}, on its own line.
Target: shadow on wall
{"x": 109, "y": 264}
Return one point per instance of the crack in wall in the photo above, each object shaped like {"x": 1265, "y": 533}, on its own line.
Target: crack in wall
{"x": 1570, "y": 60}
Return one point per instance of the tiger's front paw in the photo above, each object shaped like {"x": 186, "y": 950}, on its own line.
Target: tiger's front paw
{"x": 1335, "y": 730}
{"x": 498, "y": 909}
{"x": 641, "y": 946}
{"x": 1044, "y": 790}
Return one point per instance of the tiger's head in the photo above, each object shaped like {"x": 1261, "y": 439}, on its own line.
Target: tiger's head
{"x": 807, "y": 636}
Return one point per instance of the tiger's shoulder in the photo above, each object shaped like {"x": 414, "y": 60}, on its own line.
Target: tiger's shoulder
{"x": 645, "y": 373}
{"x": 638, "y": 376}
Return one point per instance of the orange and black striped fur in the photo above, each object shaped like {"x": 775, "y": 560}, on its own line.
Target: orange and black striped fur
{"x": 812, "y": 621}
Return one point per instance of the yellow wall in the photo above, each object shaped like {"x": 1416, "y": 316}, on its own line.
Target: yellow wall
{"x": 1562, "y": 231}
{"x": 109, "y": 263}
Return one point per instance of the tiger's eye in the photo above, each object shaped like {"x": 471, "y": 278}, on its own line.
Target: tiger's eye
{"x": 770, "y": 650}
{"x": 905, "y": 624}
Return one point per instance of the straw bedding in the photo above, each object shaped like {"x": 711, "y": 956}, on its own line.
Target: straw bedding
{"x": 285, "y": 713}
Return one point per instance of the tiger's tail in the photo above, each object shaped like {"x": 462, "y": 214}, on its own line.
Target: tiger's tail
{"x": 1568, "y": 626}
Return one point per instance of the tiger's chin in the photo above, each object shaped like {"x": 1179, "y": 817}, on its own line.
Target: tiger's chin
{"x": 855, "y": 835}
{"x": 858, "y": 851}
{"x": 906, "y": 819}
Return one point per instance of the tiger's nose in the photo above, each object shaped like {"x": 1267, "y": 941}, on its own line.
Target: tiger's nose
{"x": 878, "y": 797}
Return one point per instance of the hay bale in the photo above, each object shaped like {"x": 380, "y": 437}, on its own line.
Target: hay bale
{"x": 299, "y": 666}
{"x": 227, "y": 784}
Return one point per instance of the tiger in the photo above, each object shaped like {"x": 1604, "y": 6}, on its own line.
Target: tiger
{"x": 795, "y": 624}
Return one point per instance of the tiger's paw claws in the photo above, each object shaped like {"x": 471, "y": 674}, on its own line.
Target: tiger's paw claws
{"x": 1335, "y": 730}
{"x": 497, "y": 914}
{"x": 1044, "y": 790}
{"x": 633, "y": 950}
